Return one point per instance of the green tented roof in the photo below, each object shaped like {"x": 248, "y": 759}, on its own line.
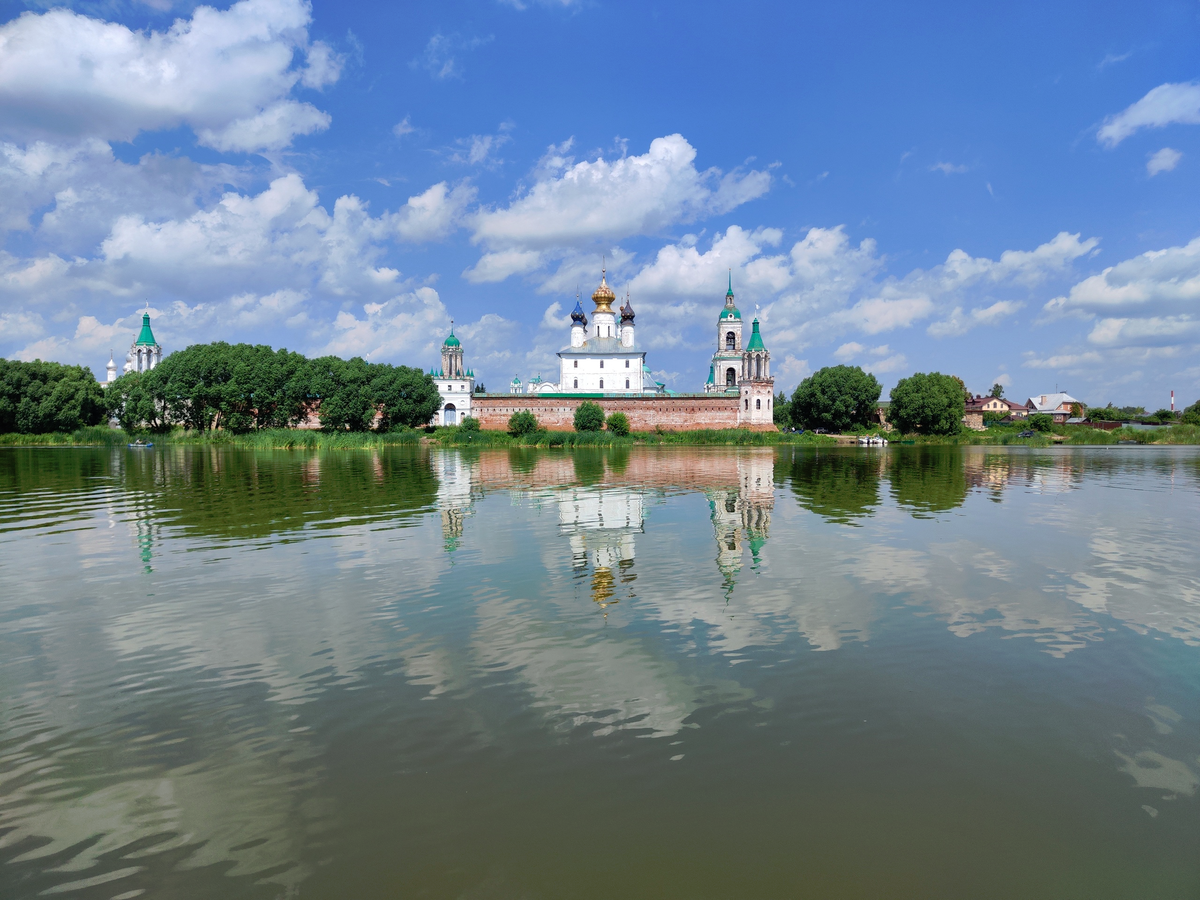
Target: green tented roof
{"x": 145, "y": 336}
{"x": 756, "y": 341}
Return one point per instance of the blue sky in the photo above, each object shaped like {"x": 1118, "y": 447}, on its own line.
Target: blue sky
{"x": 1005, "y": 193}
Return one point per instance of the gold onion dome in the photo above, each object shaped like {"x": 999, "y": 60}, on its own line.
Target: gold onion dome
{"x": 603, "y": 296}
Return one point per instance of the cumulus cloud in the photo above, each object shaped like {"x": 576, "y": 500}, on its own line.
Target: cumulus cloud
{"x": 245, "y": 263}
{"x": 1164, "y": 160}
{"x": 435, "y": 213}
{"x": 227, "y": 74}
{"x": 1158, "y": 282}
{"x": 825, "y": 286}
{"x": 574, "y": 204}
{"x": 1166, "y": 104}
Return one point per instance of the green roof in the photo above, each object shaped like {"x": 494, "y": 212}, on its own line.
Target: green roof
{"x": 756, "y": 341}
{"x": 146, "y": 336}
{"x": 711, "y": 379}
{"x": 451, "y": 341}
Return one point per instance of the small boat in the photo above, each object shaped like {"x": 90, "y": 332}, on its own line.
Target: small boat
{"x": 872, "y": 441}
{"x": 141, "y": 445}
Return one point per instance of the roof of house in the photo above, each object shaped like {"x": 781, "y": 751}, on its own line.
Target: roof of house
{"x": 1049, "y": 402}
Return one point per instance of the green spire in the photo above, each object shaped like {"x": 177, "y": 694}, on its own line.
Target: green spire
{"x": 711, "y": 377}
{"x": 756, "y": 341}
{"x": 146, "y": 336}
{"x": 729, "y": 293}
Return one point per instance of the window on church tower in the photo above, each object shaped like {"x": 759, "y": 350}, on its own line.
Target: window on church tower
{"x": 626, "y": 384}
{"x": 730, "y": 340}
{"x": 627, "y": 366}
{"x": 602, "y": 364}
{"x": 758, "y": 404}
{"x": 577, "y": 364}
{"x": 576, "y": 382}
{"x": 601, "y": 384}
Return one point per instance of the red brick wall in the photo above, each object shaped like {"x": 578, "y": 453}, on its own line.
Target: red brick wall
{"x": 645, "y": 413}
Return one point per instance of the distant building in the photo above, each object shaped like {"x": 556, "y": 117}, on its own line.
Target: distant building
{"x": 981, "y": 405}
{"x": 1060, "y": 406}
{"x": 144, "y": 354}
{"x": 604, "y": 364}
{"x": 455, "y": 383}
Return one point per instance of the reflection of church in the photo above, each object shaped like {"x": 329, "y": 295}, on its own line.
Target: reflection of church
{"x": 601, "y": 524}
{"x": 601, "y": 521}
{"x": 742, "y": 517}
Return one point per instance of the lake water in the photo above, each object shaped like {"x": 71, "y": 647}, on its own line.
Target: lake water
{"x": 859, "y": 673}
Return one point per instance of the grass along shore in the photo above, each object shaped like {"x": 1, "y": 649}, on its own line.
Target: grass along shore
{"x": 452, "y": 436}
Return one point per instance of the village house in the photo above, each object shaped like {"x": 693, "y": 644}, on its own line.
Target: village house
{"x": 1060, "y": 406}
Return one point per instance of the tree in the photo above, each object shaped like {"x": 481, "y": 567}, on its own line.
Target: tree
{"x": 1191, "y": 415}
{"x": 1041, "y": 422}
{"x": 39, "y": 397}
{"x": 997, "y": 391}
{"x": 480, "y": 389}
{"x": 618, "y": 424}
{"x": 928, "y": 404}
{"x": 1163, "y": 417}
{"x": 404, "y": 396}
{"x": 470, "y": 423}
{"x": 589, "y": 416}
{"x": 836, "y": 397}
{"x": 781, "y": 415}
{"x": 342, "y": 385}
{"x": 522, "y": 422}
{"x": 136, "y": 401}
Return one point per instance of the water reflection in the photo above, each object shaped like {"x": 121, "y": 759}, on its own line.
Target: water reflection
{"x": 205, "y": 654}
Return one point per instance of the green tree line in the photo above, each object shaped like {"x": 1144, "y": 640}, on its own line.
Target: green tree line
{"x": 41, "y": 397}
{"x": 236, "y": 387}
{"x": 244, "y": 387}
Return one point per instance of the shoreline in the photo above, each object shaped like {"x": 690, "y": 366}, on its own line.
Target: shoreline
{"x": 296, "y": 439}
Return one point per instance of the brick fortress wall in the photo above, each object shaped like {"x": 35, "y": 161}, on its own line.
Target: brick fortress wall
{"x": 557, "y": 413}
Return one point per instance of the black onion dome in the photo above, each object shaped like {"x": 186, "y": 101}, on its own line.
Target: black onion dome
{"x": 627, "y": 311}
{"x": 577, "y": 316}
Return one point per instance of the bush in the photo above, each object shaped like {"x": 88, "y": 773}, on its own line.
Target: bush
{"x": 1191, "y": 415}
{"x": 470, "y": 423}
{"x": 522, "y": 422}
{"x": 1041, "y": 422}
{"x": 618, "y": 424}
{"x": 927, "y": 404}
{"x": 589, "y": 416}
{"x": 836, "y": 398}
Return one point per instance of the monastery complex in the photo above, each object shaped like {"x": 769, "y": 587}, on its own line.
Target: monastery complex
{"x": 603, "y": 362}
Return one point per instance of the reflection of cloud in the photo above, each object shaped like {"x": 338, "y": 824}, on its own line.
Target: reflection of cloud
{"x": 1150, "y": 769}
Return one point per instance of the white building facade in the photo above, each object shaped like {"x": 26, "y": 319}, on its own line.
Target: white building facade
{"x": 455, "y": 382}
{"x": 745, "y": 370}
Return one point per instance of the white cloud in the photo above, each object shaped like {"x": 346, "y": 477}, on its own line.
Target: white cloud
{"x": 1063, "y": 361}
{"x": 949, "y": 168}
{"x": 1158, "y": 282}
{"x": 848, "y": 351}
{"x": 574, "y": 204}
{"x": 1165, "y": 160}
{"x": 1159, "y": 331}
{"x": 226, "y": 74}
{"x": 401, "y": 327}
{"x": 441, "y": 55}
{"x": 403, "y": 127}
{"x": 1166, "y": 104}
{"x": 435, "y": 213}
{"x": 960, "y": 322}
{"x": 478, "y": 149}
